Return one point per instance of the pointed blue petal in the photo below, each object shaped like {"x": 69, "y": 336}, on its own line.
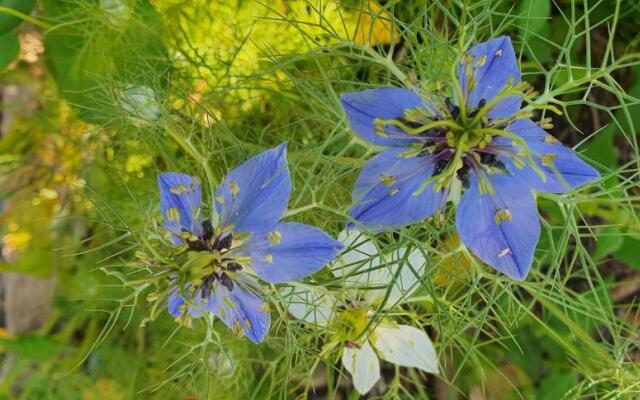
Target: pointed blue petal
{"x": 362, "y": 108}
{"x": 290, "y": 251}
{"x": 254, "y": 195}
{"x": 501, "y": 229}
{"x": 241, "y": 309}
{"x": 383, "y": 198}
{"x": 180, "y": 201}
{"x": 563, "y": 169}
{"x": 176, "y": 301}
{"x": 492, "y": 67}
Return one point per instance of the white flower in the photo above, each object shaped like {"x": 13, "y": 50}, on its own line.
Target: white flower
{"x": 374, "y": 277}
{"x": 141, "y": 103}
{"x": 402, "y": 345}
{"x": 117, "y": 11}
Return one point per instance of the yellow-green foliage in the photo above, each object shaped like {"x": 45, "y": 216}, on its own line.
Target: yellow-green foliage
{"x": 224, "y": 43}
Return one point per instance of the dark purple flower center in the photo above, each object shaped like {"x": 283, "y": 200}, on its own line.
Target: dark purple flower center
{"x": 456, "y": 143}
{"x": 222, "y": 269}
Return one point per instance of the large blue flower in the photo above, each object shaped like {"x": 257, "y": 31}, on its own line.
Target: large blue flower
{"x": 248, "y": 241}
{"x": 479, "y": 141}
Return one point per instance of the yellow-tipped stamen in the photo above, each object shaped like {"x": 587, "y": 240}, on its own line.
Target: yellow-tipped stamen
{"x": 521, "y": 142}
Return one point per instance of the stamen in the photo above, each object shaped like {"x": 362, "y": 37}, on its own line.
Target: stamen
{"x": 223, "y": 243}
{"x": 387, "y": 180}
{"x": 481, "y": 61}
{"x": 449, "y": 104}
{"x": 234, "y": 188}
{"x": 520, "y": 142}
{"x": 546, "y": 123}
{"x": 173, "y": 214}
{"x": 207, "y": 230}
{"x": 274, "y": 237}
{"x": 463, "y": 176}
{"x": 504, "y": 252}
{"x": 225, "y": 281}
{"x": 492, "y": 160}
{"x": 237, "y": 329}
{"x": 547, "y": 159}
{"x": 234, "y": 267}
{"x": 205, "y": 288}
{"x": 502, "y": 215}
{"x": 440, "y": 166}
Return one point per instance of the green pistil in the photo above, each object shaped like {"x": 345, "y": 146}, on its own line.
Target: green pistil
{"x": 521, "y": 142}
{"x": 443, "y": 178}
{"x": 381, "y": 123}
{"x": 508, "y": 91}
{"x": 350, "y": 324}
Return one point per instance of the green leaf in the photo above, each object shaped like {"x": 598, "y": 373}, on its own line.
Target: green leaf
{"x": 610, "y": 240}
{"x": 556, "y": 385}
{"x": 628, "y": 252}
{"x": 9, "y": 48}
{"x": 9, "y": 22}
{"x": 533, "y": 24}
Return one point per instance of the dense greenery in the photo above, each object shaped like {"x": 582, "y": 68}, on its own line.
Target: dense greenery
{"x": 116, "y": 91}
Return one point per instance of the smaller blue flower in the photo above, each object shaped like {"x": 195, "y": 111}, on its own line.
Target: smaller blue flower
{"x": 479, "y": 141}
{"x": 249, "y": 241}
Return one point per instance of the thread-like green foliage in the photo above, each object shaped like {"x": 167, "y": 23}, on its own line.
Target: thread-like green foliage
{"x": 562, "y": 333}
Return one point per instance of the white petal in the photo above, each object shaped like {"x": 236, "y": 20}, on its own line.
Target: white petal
{"x": 355, "y": 260}
{"x": 309, "y": 306}
{"x": 406, "y": 346}
{"x": 409, "y": 268}
{"x": 363, "y": 365}
{"x": 373, "y": 274}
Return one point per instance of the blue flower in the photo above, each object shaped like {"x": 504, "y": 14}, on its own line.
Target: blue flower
{"x": 484, "y": 145}
{"x": 249, "y": 241}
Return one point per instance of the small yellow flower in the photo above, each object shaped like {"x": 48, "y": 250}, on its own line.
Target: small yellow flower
{"x": 14, "y": 243}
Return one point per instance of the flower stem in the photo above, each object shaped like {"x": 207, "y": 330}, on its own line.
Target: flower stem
{"x": 26, "y": 18}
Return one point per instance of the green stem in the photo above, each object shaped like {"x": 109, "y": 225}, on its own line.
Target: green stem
{"x": 25, "y": 17}
{"x": 377, "y": 58}
{"x": 190, "y": 149}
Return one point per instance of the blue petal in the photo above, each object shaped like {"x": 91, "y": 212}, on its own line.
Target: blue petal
{"x": 180, "y": 201}
{"x": 362, "y": 108}
{"x": 493, "y": 66}
{"x": 501, "y": 229}
{"x": 176, "y": 301}
{"x": 290, "y": 251}
{"x": 254, "y": 195}
{"x": 563, "y": 169}
{"x": 383, "y": 198}
{"x": 241, "y": 310}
